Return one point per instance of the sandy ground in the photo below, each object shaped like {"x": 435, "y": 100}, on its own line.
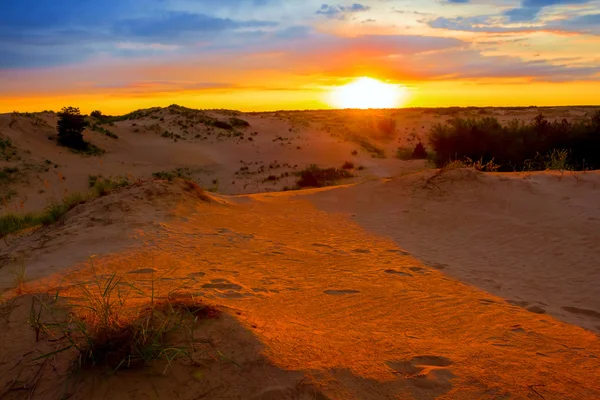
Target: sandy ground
{"x": 403, "y": 283}
{"x": 325, "y": 306}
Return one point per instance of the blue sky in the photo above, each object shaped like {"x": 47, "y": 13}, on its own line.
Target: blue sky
{"x": 78, "y": 43}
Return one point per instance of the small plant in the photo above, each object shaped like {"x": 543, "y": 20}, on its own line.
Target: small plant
{"x": 419, "y": 152}
{"x": 118, "y": 325}
{"x": 178, "y": 173}
{"x": 348, "y": 165}
{"x": 313, "y": 176}
{"x": 104, "y": 131}
{"x": 6, "y": 308}
{"x": 19, "y": 275}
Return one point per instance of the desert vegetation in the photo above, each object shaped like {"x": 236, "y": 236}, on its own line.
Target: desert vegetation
{"x": 70, "y": 127}
{"x": 314, "y": 176}
{"x": 99, "y": 186}
{"x": 114, "y": 324}
{"x": 517, "y": 146}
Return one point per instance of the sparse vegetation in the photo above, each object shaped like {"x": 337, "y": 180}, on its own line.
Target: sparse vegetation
{"x": 102, "y": 186}
{"x": 418, "y": 153}
{"x": 12, "y": 223}
{"x": 313, "y": 176}
{"x": 7, "y": 149}
{"x": 104, "y": 131}
{"x": 519, "y": 146}
{"x": 178, "y": 173}
{"x": 238, "y": 122}
{"x": 116, "y": 325}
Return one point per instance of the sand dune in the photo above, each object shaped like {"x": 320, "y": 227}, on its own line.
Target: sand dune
{"x": 336, "y": 309}
{"x": 403, "y": 282}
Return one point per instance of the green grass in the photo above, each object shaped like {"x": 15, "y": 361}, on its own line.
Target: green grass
{"x": 12, "y": 223}
{"x": 103, "y": 130}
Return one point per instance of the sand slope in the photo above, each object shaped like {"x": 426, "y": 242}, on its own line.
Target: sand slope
{"x": 335, "y": 304}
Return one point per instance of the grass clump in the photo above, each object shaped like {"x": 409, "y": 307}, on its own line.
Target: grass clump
{"x": 178, "y": 173}
{"x": 102, "y": 186}
{"x": 116, "y": 325}
{"x": 7, "y": 149}
{"x": 313, "y": 176}
{"x": 104, "y": 131}
{"x": 520, "y": 146}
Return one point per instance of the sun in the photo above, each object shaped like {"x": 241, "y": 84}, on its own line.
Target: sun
{"x": 368, "y": 93}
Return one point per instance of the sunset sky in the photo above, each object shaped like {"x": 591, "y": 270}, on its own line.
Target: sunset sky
{"x": 119, "y": 55}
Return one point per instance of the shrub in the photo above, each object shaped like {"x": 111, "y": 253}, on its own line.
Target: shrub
{"x": 97, "y": 114}
{"x": 221, "y": 124}
{"x": 181, "y": 173}
{"x": 70, "y": 128}
{"x": 348, "y": 165}
{"x": 419, "y": 152}
{"x": 537, "y": 145}
{"x": 313, "y": 176}
{"x": 238, "y": 122}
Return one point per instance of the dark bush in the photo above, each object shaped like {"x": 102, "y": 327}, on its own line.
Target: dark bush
{"x": 221, "y": 124}
{"x": 419, "y": 152}
{"x": 97, "y": 114}
{"x": 517, "y": 146}
{"x": 313, "y": 176}
{"x": 348, "y": 165}
{"x": 238, "y": 122}
{"x": 70, "y": 128}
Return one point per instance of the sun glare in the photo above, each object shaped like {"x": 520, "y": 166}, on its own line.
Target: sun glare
{"x": 368, "y": 93}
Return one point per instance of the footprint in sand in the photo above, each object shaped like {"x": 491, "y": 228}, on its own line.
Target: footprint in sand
{"x": 221, "y": 284}
{"x": 395, "y": 272}
{"x": 582, "y": 311}
{"x": 198, "y": 274}
{"x": 418, "y": 270}
{"x": 536, "y": 309}
{"x": 404, "y": 253}
{"x": 362, "y": 251}
{"x": 340, "y": 292}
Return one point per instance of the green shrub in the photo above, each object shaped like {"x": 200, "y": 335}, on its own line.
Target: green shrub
{"x": 537, "y": 145}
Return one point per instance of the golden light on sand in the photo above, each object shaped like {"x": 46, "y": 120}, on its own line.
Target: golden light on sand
{"x": 368, "y": 93}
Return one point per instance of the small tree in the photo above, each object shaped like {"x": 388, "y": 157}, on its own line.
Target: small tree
{"x": 419, "y": 152}
{"x": 97, "y": 114}
{"x": 70, "y": 128}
